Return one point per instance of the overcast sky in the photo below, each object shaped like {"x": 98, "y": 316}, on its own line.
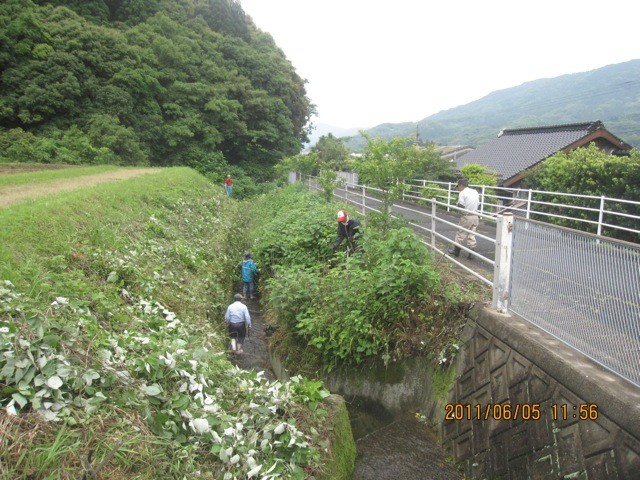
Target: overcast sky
{"x": 369, "y": 62}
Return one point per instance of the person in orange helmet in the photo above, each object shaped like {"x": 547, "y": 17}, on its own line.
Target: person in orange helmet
{"x": 348, "y": 229}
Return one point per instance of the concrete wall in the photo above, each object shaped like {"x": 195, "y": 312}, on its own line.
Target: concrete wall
{"x": 507, "y": 360}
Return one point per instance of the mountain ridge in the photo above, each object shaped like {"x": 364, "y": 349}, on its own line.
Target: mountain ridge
{"x": 610, "y": 94}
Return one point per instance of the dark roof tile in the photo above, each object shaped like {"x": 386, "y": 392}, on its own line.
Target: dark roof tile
{"x": 516, "y": 150}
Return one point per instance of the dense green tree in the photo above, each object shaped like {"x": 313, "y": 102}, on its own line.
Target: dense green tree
{"x": 329, "y": 181}
{"x": 17, "y": 145}
{"x": 305, "y": 163}
{"x": 106, "y": 131}
{"x": 589, "y": 171}
{"x": 331, "y": 152}
{"x": 182, "y": 82}
{"x": 479, "y": 175}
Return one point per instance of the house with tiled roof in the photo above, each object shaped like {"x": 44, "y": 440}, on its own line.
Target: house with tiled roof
{"x": 516, "y": 151}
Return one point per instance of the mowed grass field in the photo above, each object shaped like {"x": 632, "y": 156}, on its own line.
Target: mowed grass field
{"x": 18, "y": 186}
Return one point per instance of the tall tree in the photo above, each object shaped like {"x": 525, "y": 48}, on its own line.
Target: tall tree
{"x": 386, "y": 164}
{"x": 331, "y": 152}
{"x": 193, "y": 81}
{"x": 589, "y": 171}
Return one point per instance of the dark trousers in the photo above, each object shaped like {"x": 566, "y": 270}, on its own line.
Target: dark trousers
{"x": 238, "y": 331}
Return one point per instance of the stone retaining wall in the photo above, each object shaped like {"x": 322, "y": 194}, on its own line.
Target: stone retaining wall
{"x": 506, "y": 360}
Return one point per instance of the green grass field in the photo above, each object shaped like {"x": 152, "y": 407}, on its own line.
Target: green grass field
{"x": 43, "y": 176}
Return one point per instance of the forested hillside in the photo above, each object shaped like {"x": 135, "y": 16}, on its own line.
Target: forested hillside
{"x": 160, "y": 82}
{"x": 610, "y": 94}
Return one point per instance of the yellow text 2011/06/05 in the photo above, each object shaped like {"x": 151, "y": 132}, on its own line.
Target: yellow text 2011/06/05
{"x": 493, "y": 411}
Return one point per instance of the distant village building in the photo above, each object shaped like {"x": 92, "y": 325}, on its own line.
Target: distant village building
{"x": 516, "y": 151}
{"x": 452, "y": 152}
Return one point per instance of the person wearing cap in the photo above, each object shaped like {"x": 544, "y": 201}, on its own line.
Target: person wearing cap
{"x": 348, "y": 229}
{"x": 249, "y": 272}
{"x": 238, "y": 322}
{"x": 468, "y": 200}
{"x": 228, "y": 185}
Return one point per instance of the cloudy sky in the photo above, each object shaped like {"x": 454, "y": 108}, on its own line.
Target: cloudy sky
{"x": 369, "y": 62}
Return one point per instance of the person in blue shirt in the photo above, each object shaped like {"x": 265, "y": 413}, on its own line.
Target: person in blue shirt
{"x": 249, "y": 272}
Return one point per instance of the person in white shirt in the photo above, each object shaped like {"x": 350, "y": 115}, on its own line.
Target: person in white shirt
{"x": 469, "y": 200}
{"x": 239, "y": 323}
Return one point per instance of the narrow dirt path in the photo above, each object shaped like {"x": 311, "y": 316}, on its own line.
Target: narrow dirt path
{"x": 19, "y": 193}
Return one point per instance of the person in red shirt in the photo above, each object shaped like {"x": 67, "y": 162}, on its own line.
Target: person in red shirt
{"x": 228, "y": 185}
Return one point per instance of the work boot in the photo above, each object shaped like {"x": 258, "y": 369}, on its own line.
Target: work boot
{"x": 455, "y": 250}
{"x": 471, "y": 255}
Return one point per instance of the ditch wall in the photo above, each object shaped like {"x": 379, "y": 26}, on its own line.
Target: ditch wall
{"x": 506, "y": 360}
{"x": 535, "y": 390}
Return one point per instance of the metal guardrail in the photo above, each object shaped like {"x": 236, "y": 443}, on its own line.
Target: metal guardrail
{"x": 584, "y": 289}
{"x": 596, "y": 214}
{"x": 586, "y": 293}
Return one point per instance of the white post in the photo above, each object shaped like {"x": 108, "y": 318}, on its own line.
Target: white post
{"x": 364, "y": 200}
{"x": 433, "y": 223}
{"x": 529, "y": 204}
{"x": 601, "y": 215}
{"x": 502, "y": 269}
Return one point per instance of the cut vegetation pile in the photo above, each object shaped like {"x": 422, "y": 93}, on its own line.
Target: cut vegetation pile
{"x": 112, "y": 348}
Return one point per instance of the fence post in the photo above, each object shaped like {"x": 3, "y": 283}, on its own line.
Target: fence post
{"x": 601, "y": 215}
{"x": 433, "y": 223}
{"x": 364, "y": 200}
{"x": 529, "y": 204}
{"x": 502, "y": 269}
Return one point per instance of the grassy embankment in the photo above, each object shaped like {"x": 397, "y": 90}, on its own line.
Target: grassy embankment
{"x": 44, "y": 176}
{"x": 112, "y": 348}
